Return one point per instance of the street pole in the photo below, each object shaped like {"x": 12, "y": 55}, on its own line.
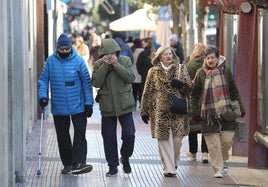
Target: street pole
{"x": 192, "y": 27}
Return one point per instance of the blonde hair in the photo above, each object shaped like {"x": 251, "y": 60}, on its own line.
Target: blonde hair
{"x": 199, "y": 50}
{"x": 80, "y": 38}
{"x": 82, "y": 49}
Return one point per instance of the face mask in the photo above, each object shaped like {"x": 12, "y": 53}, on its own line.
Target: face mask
{"x": 64, "y": 55}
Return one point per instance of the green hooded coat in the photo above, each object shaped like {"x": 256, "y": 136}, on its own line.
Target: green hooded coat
{"x": 115, "y": 82}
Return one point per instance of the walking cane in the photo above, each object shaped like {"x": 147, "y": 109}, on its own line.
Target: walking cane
{"x": 40, "y": 142}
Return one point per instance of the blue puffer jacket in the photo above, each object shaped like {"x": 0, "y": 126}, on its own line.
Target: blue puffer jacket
{"x": 69, "y": 82}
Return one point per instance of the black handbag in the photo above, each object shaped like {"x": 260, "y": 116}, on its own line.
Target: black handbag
{"x": 230, "y": 113}
{"x": 178, "y": 105}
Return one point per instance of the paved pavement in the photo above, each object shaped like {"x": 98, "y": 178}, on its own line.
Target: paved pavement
{"x": 145, "y": 162}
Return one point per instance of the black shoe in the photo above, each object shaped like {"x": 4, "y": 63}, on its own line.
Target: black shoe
{"x": 112, "y": 171}
{"x": 126, "y": 165}
{"x": 169, "y": 174}
{"x": 66, "y": 170}
{"x": 81, "y": 168}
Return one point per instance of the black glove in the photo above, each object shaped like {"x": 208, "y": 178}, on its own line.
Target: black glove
{"x": 43, "y": 102}
{"x": 176, "y": 83}
{"x": 88, "y": 110}
{"x": 145, "y": 118}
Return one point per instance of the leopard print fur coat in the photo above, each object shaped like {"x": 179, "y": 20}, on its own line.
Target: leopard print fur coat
{"x": 155, "y": 101}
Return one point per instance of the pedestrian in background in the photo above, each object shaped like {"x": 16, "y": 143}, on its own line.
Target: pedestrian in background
{"x": 136, "y": 85}
{"x": 214, "y": 88}
{"x": 66, "y": 74}
{"x": 129, "y": 41}
{"x": 175, "y": 43}
{"x": 82, "y": 49}
{"x": 153, "y": 36}
{"x": 195, "y": 62}
{"x": 125, "y": 49}
{"x": 94, "y": 49}
{"x": 144, "y": 61}
{"x": 114, "y": 75}
{"x": 168, "y": 128}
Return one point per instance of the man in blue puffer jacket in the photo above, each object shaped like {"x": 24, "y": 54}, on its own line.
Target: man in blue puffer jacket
{"x": 71, "y": 98}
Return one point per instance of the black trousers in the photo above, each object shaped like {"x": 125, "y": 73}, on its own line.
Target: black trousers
{"x": 76, "y": 151}
{"x": 108, "y": 131}
{"x": 193, "y": 143}
{"x": 137, "y": 92}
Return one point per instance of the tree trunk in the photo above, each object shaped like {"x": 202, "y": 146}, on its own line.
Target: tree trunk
{"x": 202, "y": 23}
{"x": 175, "y": 18}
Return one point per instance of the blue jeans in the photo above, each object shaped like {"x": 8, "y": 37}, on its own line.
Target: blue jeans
{"x": 108, "y": 132}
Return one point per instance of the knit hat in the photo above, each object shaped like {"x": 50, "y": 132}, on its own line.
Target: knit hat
{"x": 153, "y": 36}
{"x": 137, "y": 42}
{"x": 64, "y": 40}
{"x": 174, "y": 37}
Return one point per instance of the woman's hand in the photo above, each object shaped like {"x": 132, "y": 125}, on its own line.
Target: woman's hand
{"x": 177, "y": 84}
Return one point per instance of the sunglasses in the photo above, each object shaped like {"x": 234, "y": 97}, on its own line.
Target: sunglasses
{"x": 64, "y": 48}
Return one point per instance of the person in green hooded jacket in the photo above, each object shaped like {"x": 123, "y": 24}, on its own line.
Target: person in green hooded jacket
{"x": 114, "y": 75}
{"x": 214, "y": 89}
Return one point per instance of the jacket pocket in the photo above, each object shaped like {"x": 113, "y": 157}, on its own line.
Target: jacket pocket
{"x": 126, "y": 98}
{"x": 105, "y": 105}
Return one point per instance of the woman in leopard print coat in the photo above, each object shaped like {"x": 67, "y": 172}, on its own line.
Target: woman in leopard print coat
{"x": 166, "y": 127}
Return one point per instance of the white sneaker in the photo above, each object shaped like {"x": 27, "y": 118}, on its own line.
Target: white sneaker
{"x": 218, "y": 174}
{"x": 191, "y": 156}
{"x": 204, "y": 157}
{"x": 225, "y": 167}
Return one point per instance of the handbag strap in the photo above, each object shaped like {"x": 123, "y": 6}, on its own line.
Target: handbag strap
{"x": 179, "y": 72}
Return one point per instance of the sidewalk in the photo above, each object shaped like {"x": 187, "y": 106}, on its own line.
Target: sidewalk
{"x": 145, "y": 162}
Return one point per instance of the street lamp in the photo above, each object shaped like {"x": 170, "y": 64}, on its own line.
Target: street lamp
{"x": 107, "y": 6}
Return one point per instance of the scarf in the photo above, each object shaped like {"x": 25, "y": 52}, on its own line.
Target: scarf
{"x": 166, "y": 68}
{"x": 215, "y": 96}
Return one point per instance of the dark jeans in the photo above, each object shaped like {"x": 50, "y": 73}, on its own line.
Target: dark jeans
{"x": 108, "y": 132}
{"x": 193, "y": 143}
{"x": 76, "y": 152}
{"x": 142, "y": 88}
{"x": 137, "y": 92}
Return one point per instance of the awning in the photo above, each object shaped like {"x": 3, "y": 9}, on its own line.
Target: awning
{"x": 138, "y": 20}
